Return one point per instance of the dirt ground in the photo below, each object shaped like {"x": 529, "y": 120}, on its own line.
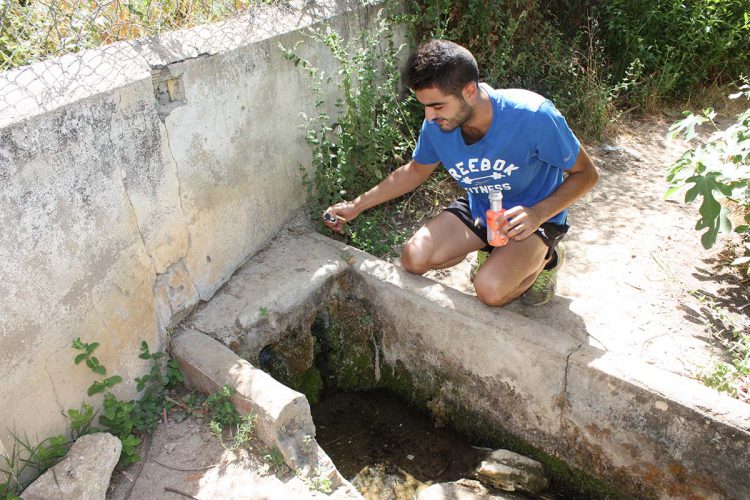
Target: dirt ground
{"x": 636, "y": 279}
{"x": 184, "y": 460}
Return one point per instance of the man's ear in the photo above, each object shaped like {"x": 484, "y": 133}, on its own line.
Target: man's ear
{"x": 470, "y": 92}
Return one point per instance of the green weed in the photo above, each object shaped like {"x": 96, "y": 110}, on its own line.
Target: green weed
{"x": 315, "y": 482}
{"x": 371, "y": 134}
{"x": 221, "y": 409}
{"x": 130, "y": 419}
{"x": 275, "y": 459}
{"x": 240, "y": 435}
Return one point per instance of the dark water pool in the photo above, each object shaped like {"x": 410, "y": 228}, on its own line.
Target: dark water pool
{"x": 387, "y": 449}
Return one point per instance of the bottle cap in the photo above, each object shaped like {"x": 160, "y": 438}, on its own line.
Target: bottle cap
{"x": 496, "y": 195}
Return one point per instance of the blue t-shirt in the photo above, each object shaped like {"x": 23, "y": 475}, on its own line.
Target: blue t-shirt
{"x": 524, "y": 152}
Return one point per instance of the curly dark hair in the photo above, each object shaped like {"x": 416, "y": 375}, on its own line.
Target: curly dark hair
{"x": 442, "y": 64}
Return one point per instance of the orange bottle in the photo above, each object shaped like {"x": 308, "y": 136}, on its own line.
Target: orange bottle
{"x": 496, "y": 220}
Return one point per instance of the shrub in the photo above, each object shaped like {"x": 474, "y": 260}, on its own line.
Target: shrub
{"x": 524, "y": 44}
{"x": 671, "y": 48}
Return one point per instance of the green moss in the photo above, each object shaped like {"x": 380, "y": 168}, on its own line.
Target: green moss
{"x": 564, "y": 479}
{"x": 423, "y": 393}
{"x": 309, "y": 383}
{"x": 345, "y": 351}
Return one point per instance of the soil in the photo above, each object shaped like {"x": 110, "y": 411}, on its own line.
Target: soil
{"x": 183, "y": 459}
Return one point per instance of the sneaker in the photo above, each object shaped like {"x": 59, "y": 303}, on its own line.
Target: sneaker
{"x": 544, "y": 287}
{"x": 480, "y": 259}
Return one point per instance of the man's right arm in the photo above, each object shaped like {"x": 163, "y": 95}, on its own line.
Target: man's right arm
{"x": 399, "y": 182}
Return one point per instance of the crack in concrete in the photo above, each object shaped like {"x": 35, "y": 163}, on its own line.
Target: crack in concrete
{"x": 182, "y": 207}
{"x": 564, "y": 393}
{"x": 122, "y": 180}
{"x": 54, "y": 389}
{"x": 166, "y": 65}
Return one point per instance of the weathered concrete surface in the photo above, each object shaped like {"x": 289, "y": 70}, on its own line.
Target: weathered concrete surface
{"x": 646, "y": 431}
{"x": 295, "y": 275}
{"x": 283, "y": 415}
{"x": 83, "y": 474}
{"x": 134, "y": 180}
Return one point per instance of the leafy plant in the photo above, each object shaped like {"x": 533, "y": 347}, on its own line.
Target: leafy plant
{"x": 241, "y": 435}
{"x": 676, "y": 46}
{"x": 371, "y": 134}
{"x": 93, "y": 363}
{"x": 130, "y": 419}
{"x": 716, "y": 168}
{"x": 316, "y": 482}
{"x": 732, "y": 377}
{"x": 26, "y": 462}
{"x": 275, "y": 459}
{"x": 221, "y": 408}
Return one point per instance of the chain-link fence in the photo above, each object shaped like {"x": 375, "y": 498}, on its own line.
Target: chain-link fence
{"x": 34, "y": 30}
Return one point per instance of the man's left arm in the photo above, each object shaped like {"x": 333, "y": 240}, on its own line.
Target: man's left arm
{"x": 582, "y": 176}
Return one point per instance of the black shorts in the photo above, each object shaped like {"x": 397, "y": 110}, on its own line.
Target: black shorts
{"x": 550, "y": 233}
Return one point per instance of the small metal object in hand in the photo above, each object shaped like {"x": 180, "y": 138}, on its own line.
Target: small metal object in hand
{"x": 329, "y": 217}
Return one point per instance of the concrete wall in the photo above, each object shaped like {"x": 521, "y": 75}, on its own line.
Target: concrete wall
{"x": 134, "y": 180}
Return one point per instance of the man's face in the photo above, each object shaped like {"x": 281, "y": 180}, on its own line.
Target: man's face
{"x": 448, "y": 111}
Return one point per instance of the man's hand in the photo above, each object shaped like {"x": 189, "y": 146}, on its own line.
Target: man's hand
{"x": 343, "y": 213}
{"x": 522, "y": 222}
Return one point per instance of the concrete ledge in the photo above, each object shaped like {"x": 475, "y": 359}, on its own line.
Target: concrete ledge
{"x": 634, "y": 425}
{"x": 279, "y": 288}
{"x": 283, "y": 415}
{"x": 645, "y": 431}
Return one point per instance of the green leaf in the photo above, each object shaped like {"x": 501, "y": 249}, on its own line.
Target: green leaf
{"x": 145, "y": 354}
{"x": 80, "y": 357}
{"x": 91, "y": 347}
{"x": 114, "y": 379}
{"x": 96, "y": 388}
{"x": 671, "y": 191}
{"x": 100, "y": 370}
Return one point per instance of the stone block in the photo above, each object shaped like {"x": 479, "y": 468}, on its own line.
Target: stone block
{"x": 510, "y": 471}
{"x": 83, "y": 474}
{"x": 283, "y": 415}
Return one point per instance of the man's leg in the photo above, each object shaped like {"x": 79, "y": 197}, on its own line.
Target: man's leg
{"x": 443, "y": 242}
{"x": 510, "y": 270}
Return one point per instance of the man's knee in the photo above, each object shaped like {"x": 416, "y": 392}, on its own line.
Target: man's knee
{"x": 491, "y": 291}
{"x": 414, "y": 260}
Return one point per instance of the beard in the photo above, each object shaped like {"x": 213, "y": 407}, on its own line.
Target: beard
{"x": 464, "y": 114}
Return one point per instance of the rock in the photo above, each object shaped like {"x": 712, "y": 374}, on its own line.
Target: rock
{"x": 463, "y": 489}
{"x": 510, "y": 471}
{"x": 83, "y": 474}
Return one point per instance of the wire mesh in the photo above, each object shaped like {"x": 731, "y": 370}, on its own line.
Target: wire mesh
{"x": 34, "y": 30}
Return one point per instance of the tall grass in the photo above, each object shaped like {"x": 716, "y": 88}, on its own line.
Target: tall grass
{"x": 33, "y": 30}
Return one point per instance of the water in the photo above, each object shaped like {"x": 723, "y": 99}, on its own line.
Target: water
{"x": 387, "y": 449}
